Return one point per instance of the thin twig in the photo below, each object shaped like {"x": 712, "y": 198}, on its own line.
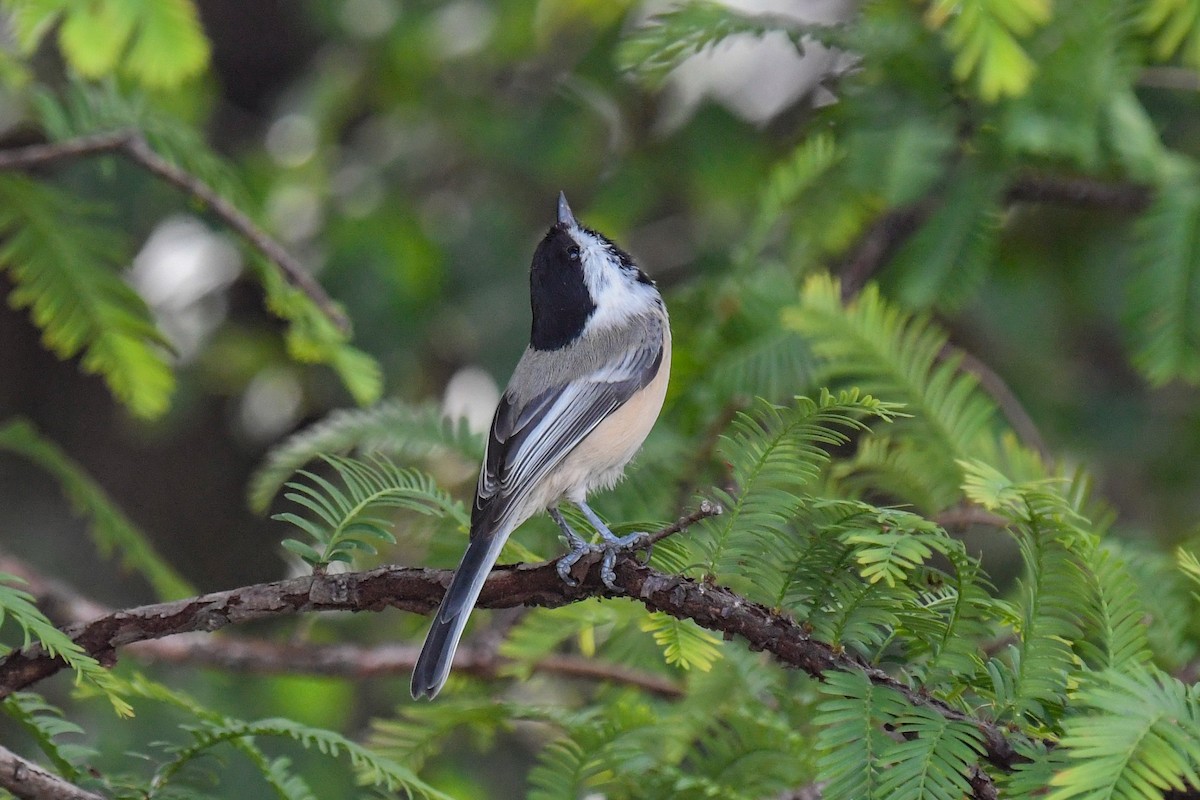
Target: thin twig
{"x": 28, "y": 781}
{"x": 708, "y": 508}
{"x": 964, "y": 515}
{"x": 880, "y": 242}
{"x": 1006, "y": 399}
{"x": 352, "y": 661}
{"x": 133, "y": 145}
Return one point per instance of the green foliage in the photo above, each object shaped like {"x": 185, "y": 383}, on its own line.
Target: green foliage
{"x": 83, "y": 109}
{"x": 313, "y": 338}
{"x": 60, "y": 258}
{"x": 346, "y": 520}
{"x": 112, "y": 531}
{"x": 1121, "y": 642}
{"x": 18, "y": 607}
{"x": 1134, "y": 735}
{"x": 773, "y": 453}
{"x": 1176, "y": 28}
{"x": 393, "y": 428}
{"x": 46, "y": 724}
{"x": 1055, "y": 544}
{"x": 684, "y": 643}
{"x": 668, "y": 39}
{"x": 428, "y": 139}
{"x": 1164, "y": 293}
{"x": 943, "y": 264}
{"x": 158, "y": 43}
{"x": 985, "y": 37}
{"x": 929, "y": 757}
{"x": 888, "y": 353}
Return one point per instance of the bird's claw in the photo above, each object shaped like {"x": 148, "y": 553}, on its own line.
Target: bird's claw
{"x": 611, "y": 548}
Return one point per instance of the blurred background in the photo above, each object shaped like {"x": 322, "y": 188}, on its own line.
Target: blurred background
{"x": 411, "y": 153}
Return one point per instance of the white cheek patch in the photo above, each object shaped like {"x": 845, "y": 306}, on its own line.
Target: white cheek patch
{"x": 618, "y": 295}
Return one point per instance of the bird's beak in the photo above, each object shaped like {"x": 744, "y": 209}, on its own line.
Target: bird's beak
{"x": 565, "y": 217}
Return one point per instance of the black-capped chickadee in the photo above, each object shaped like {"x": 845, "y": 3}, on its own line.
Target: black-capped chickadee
{"x": 580, "y": 403}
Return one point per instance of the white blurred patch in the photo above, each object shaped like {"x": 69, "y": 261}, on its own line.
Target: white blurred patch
{"x": 473, "y": 394}
{"x": 270, "y": 404}
{"x": 757, "y": 77}
{"x": 292, "y": 140}
{"x": 369, "y": 19}
{"x": 181, "y": 273}
{"x": 462, "y": 28}
{"x": 357, "y": 190}
{"x": 294, "y": 211}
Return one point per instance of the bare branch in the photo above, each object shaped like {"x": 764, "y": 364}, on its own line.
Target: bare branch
{"x": 133, "y": 145}
{"x": 1006, "y": 399}
{"x": 880, "y": 242}
{"x": 352, "y": 661}
{"x": 28, "y": 781}
{"x": 1078, "y": 191}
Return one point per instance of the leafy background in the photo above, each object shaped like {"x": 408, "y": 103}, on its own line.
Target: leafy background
{"x": 411, "y": 152}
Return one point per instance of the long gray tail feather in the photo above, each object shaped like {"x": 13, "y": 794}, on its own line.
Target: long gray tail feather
{"x": 433, "y": 665}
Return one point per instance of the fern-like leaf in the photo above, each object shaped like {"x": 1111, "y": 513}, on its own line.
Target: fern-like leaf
{"x": 775, "y": 451}
{"x": 1175, "y": 25}
{"x": 85, "y": 108}
{"x": 1134, "y": 736}
{"x": 343, "y": 523}
{"x": 984, "y": 35}
{"x": 1117, "y": 625}
{"x": 371, "y": 768}
{"x": 888, "y": 353}
{"x": 18, "y": 606}
{"x": 668, "y": 39}
{"x": 1055, "y": 544}
{"x": 394, "y": 428}
{"x": 1163, "y": 296}
{"x": 932, "y": 759}
{"x": 684, "y": 643}
{"x": 111, "y": 530}
{"x": 46, "y": 725}
{"x": 60, "y": 259}
{"x": 158, "y": 42}
{"x": 944, "y": 263}
{"x": 851, "y": 738}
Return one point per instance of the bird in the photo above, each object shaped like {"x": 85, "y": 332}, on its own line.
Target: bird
{"x": 580, "y": 403}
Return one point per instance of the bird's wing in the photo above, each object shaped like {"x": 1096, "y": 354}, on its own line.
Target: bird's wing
{"x": 529, "y": 440}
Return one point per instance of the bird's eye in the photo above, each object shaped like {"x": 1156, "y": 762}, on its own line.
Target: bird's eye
{"x": 573, "y": 252}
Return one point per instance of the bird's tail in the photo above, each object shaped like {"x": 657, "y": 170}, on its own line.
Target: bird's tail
{"x": 433, "y": 665}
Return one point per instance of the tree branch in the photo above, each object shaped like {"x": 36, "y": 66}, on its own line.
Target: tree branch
{"x": 28, "y": 781}
{"x": 419, "y": 591}
{"x": 66, "y": 606}
{"x": 133, "y": 145}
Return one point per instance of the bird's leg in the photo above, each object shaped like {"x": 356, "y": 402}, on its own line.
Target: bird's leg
{"x": 613, "y": 544}
{"x": 579, "y": 547}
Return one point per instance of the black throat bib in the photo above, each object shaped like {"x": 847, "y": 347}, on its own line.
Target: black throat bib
{"x": 557, "y": 292}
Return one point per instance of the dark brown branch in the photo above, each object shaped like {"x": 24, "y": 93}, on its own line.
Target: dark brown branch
{"x": 1079, "y": 191}
{"x": 67, "y": 607}
{"x": 880, "y": 242}
{"x": 28, "y": 781}
{"x": 420, "y": 590}
{"x": 133, "y": 146}
{"x": 892, "y": 229}
{"x": 1006, "y": 399}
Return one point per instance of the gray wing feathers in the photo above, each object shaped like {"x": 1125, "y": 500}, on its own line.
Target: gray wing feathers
{"x": 531, "y": 434}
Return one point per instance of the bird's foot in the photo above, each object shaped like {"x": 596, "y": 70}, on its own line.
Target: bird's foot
{"x": 611, "y": 547}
